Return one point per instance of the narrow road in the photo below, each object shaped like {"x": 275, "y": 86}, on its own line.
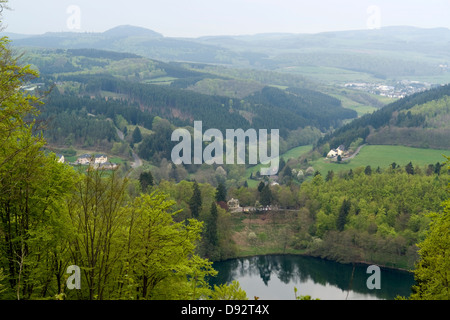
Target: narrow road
{"x": 137, "y": 161}
{"x": 355, "y": 153}
{"x": 120, "y": 134}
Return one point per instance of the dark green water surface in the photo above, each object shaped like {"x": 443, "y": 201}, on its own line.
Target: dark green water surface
{"x": 274, "y": 277}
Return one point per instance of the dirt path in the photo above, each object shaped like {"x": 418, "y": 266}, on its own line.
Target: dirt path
{"x": 137, "y": 161}
{"x": 355, "y": 153}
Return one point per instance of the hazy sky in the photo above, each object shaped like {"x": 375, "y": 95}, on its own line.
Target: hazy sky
{"x": 192, "y": 18}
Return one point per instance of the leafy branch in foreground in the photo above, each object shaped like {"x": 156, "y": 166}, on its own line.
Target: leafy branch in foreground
{"x": 432, "y": 272}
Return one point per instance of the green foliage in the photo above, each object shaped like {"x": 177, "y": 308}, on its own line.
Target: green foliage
{"x": 137, "y": 135}
{"x": 261, "y": 186}
{"x": 2, "y": 279}
{"x": 195, "y": 203}
{"x": 307, "y": 297}
{"x": 160, "y": 253}
{"x": 343, "y": 213}
{"x": 211, "y": 226}
{"x": 53, "y": 216}
{"x": 145, "y": 180}
{"x": 33, "y": 188}
{"x": 210, "y": 246}
{"x": 221, "y": 193}
{"x": 382, "y": 222}
{"x": 232, "y": 291}
{"x": 266, "y": 196}
{"x": 432, "y": 273}
{"x": 95, "y": 215}
{"x": 157, "y": 146}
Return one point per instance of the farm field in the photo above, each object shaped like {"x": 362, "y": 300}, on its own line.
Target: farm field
{"x": 383, "y": 156}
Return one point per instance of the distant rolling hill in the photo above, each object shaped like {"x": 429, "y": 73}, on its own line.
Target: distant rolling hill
{"x": 389, "y": 52}
{"x": 420, "y": 120}
{"x": 131, "y": 39}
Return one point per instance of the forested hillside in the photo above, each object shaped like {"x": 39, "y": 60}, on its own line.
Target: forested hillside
{"x": 368, "y": 215}
{"x": 419, "y": 120}
{"x": 90, "y": 89}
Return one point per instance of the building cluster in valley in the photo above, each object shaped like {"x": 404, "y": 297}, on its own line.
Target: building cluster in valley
{"x": 398, "y": 90}
{"x": 339, "y": 152}
{"x": 234, "y": 206}
{"x": 98, "y": 161}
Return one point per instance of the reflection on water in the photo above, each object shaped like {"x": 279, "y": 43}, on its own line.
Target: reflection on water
{"x": 274, "y": 278}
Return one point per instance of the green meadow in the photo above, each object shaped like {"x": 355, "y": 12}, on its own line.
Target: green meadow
{"x": 383, "y": 156}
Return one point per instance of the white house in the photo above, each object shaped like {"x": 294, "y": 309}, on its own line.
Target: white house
{"x": 100, "y": 159}
{"x": 233, "y": 205}
{"x": 336, "y": 152}
{"x": 60, "y": 158}
{"x": 333, "y": 153}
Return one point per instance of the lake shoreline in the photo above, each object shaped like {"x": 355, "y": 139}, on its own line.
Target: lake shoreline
{"x": 270, "y": 229}
{"x": 362, "y": 263}
{"x": 273, "y": 276}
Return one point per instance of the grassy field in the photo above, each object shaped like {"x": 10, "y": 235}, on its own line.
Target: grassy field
{"x": 161, "y": 80}
{"x": 384, "y": 156}
{"x": 330, "y": 74}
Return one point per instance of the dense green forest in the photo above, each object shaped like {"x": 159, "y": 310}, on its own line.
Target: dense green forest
{"x": 374, "y": 216}
{"x": 89, "y": 92}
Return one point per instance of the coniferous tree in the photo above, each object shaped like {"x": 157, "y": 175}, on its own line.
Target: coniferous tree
{"x": 146, "y": 180}
{"x": 281, "y": 165}
{"x": 437, "y": 168}
{"x": 350, "y": 173}
{"x": 261, "y": 186}
{"x": 195, "y": 203}
{"x": 329, "y": 176}
{"x": 211, "y": 226}
{"x": 221, "y": 193}
{"x": 409, "y": 168}
{"x": 137, "y": 136}
{"x": 266, "y": 196}
{"x": 287, "y": 172}
{"x": 343, "y": 213}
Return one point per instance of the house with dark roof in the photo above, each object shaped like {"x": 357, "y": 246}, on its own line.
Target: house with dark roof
{"x": 84, "y": 159}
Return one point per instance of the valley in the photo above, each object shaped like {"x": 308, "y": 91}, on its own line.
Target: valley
{"x": 355, "y": 126}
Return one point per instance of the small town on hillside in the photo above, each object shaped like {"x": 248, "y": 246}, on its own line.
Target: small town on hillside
{"x": 398, "y": 90}
{"x": 98, "y": 161}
